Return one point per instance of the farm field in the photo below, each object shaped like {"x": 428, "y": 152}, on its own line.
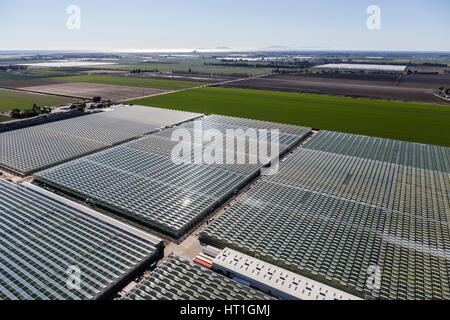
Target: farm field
{"x": 58, "y": 71}
{"x": 433, "y": 60}
{"x": 425, "y": 81}
{"x": 182, "y": 77}
{"x": 29, "y": 82}
{"x": 348, "y": 87}
{"x": 90, "y": 90}
{"x": 10, "y": 99}
{"x": 3, "y": 118}
{"x": 8, "y": 76}
{"x": 362, "y": 66}
{"x": 396, "y": 120}
{"x": 197, "y": 68}
{"x": 380, "y": 61}
{"x": 134, "y": 82}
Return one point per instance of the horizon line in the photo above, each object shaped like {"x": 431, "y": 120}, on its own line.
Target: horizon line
{"x": 220, "y": 50}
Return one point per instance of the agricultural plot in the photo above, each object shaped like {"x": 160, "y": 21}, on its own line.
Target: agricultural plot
{"x": 343, "y": 205}
{"x": 90, "y": 90}
{"x": 395, "y": 120}
{"x": 141, "y": 180}
{"x": 362, "y": 66}
{"x": 28, "y": 150}
{"x": 28, "y": 82}
{"x": 177, "y": 279}
{"x": 425, "y": 81}
{"x": 134, "y": 82}
{"x": 49, "y": 72}
{"x": 200, "y": 79}
{"x": 341, "y": 86}
{"x": 11, "y": 99}
{"x": 3, "y": 118}
{"x": 43, "y": 241}
{"x": 67, "y": 64}
{"x": 7, "y": 76}
{"x": 197, "y": 67}
{"x": 374, "y": 79}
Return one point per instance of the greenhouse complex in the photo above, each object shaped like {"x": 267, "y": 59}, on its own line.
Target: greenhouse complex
{"x": 31, "y": 149}
{"x": 177, "y": 279}
{"x": 43, "y": 242}
{"x": 134, "y": 203}
{"x": 140, "y": 180}
{"x": 343, "y": 206}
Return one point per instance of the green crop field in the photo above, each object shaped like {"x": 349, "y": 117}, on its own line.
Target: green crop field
{"x": 57, "y": 71}
{"x": 18, "y": 76}
{"x": 10, "y": 99}
{"x": 205, "y": 69}
{"x": 3, "y": 118}
{"x": 397, "y": 120}
{"x": 135, "y": 82}
{"x": 196, "y": 65}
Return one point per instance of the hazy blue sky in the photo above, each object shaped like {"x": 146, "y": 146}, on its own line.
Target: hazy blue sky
{"x": 243, "y": 24}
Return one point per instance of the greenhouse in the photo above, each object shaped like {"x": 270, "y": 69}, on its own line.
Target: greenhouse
{"x": 343, "y": 206}
{"x": 140, "y": 180}
{"x": 31, "y": 149}
{"x": 51, "y": 251}
{"x": 177, "y": 279}
{"x": 404, "y": 153}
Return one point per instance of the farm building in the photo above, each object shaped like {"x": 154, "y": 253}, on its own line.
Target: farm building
{"x": 345, "y": 205}
{"x": 50, "y": 249}
{"x": 274, "y": 280}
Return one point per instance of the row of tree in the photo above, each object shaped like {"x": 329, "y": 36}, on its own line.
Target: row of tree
{"x": 143, "y": 70}
{"x": 21, "y": 114}
{"x": 13, "y": 67}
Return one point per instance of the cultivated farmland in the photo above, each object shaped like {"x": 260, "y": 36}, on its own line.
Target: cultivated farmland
{"x": 344, "y": 202}
{"x": 140, "y": 180}
{"x": 372, "y": 67}
{"x": 425, "y": 81}
{"x": 90, "y": 90}
{"x": 67, "y": 64}
{"x": 357, "y": 87}
{"x": 134, "y": 82}
{"x": 196, "y": 67}
{"x": 7, "y": 76}
{"x": 10, "y": 99}
{"x": 397, "y": 120}
{"x": 27, "y": 82}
